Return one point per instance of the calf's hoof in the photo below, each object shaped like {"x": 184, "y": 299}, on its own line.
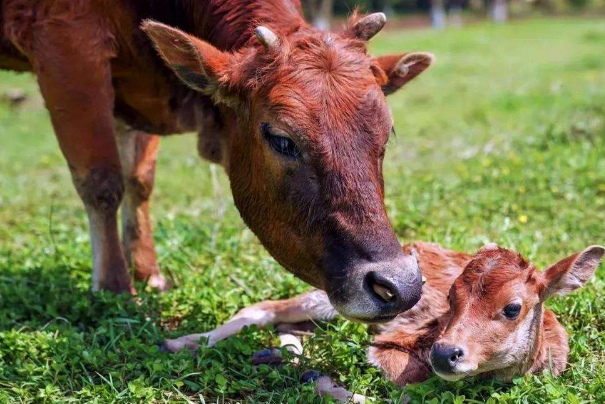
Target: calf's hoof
{"x": 158, "y": 282}
{"x": 178, "y": 344}
{"x": 267, "y": 356}
{"x": 310, "y": 376}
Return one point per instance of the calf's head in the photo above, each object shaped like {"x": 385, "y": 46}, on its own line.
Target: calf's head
{"x": 496, "y": 309}
{"x": 307, "y": 124}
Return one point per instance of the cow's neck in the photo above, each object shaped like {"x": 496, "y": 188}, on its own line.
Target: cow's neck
{"x": 227, "y": 24}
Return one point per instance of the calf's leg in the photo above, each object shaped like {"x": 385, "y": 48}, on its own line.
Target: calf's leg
{"x": 138, "y": 154}
{"x": 400, "y": 357}
{"x": 313, "y": 305}
{"x": 71, "y": 61}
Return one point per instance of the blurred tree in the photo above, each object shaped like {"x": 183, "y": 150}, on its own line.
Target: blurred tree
{"x": 438, "y": 16}
{"x": 478, "y": 5}
{"x": 546, "y": 6}
{"x": 388, "y": 7}
{"x": 320, "y": 12}
{"x": 499, "y": 11}
{"x": 455, "y": 12}
{"x": 578, "y": 4}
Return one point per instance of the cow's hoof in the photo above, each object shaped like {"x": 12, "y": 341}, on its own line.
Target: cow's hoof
{"x": 158, "y": 282}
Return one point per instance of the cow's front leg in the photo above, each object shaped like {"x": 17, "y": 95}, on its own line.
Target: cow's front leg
{"x": 72, "y": 63}
{"x": 138, "y": 155}
{"x": 313, "y": 305}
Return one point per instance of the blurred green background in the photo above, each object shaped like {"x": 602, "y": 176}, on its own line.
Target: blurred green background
{"x": 502, "y": 140}
{"x": 442, "y": 13}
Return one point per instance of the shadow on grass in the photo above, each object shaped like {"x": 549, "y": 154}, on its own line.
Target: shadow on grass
{"x": 54, "y": 329}
{"x": 31, "y": 296}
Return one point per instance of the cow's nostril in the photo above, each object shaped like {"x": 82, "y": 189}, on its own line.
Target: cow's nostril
{"x": 382, "y": 289}
{"x": 384, "y": 292}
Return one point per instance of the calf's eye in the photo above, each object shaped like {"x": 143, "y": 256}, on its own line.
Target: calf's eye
{"x": 280, "y": 144}
{"x": 512, "y": 311}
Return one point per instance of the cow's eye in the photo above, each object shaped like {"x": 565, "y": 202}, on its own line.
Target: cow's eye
{"x": 280, "y": 144}
{"x": 512, "y": 311}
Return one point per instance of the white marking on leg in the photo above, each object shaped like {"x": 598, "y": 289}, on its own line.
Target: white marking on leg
{"x": 126, "y": 141}
{"x": 313, "y": 305}
{"x": 235, "y": 326}
{"x": 245, "y": 318}
{"x": 327, "y": 387}
{"x": 96, "y": 225}
{"x": 190, "y": 342}
{"x": 291, "y": 343}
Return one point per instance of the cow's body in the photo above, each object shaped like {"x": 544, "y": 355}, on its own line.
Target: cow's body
{"x": 148, "y": 96}
{"x": 296, "y": 116}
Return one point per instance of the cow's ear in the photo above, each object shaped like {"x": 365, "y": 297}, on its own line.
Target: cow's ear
{"x": 197, "y": 63}
{"x": 402, "y": 68}
{"x": 572, "y": 272}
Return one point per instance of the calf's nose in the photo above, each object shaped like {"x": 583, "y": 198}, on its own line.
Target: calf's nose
{"x": 444, "y": 358}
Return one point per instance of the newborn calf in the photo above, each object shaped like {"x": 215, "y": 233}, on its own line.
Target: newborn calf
{"x": 480, "y": 314}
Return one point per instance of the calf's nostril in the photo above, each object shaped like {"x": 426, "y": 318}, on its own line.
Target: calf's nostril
{"x": 445, "y": 358}
{"x": 456, "y": 355}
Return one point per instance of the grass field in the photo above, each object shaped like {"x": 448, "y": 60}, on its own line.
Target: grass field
{"x": 503, "y": 140}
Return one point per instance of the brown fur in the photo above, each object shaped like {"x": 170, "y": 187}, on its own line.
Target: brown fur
{"x": 480, "y": 284}
{"x": 322, "y": 217}
{"x": 138, "y": 154}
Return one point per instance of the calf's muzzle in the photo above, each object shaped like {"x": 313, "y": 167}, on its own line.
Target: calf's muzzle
{"x": 445, "y": 358}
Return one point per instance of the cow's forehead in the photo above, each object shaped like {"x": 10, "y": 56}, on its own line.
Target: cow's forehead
{"x": 325, "y": 85}
{"x": 323, "y": 104}
{"x": 316, "y": 98}
{"x": 322, "y": 62}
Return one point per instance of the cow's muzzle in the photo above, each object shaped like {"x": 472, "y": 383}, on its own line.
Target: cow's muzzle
{"x": 374, "y": 292}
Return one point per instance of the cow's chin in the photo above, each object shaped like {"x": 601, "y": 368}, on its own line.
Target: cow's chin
{"x": 361, "y": 311}
{"x": 462, "y": 371}
{"x": 370, "y": 321}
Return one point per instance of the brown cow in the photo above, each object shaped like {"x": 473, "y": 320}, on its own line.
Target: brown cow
{"x": 480, "y": 314}
{"x": 296, "y": 116}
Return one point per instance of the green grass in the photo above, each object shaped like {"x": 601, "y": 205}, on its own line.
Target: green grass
{"x": 503, "y": 140}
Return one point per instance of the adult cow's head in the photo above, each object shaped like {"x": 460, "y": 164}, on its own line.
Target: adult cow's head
{"x": 306, "y": 130}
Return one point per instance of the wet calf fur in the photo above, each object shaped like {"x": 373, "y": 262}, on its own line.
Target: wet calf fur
{"x": 479, "y": 315}
{"x": 482, "y": 315}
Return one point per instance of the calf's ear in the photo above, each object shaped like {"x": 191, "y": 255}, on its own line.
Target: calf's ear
{"x": 197, "y": 63}
{"x": 572, "y": 272}
{"x": 401, "y": 69}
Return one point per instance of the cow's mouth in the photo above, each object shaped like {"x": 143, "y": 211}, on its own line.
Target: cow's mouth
{"x": 373, "y": 320}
